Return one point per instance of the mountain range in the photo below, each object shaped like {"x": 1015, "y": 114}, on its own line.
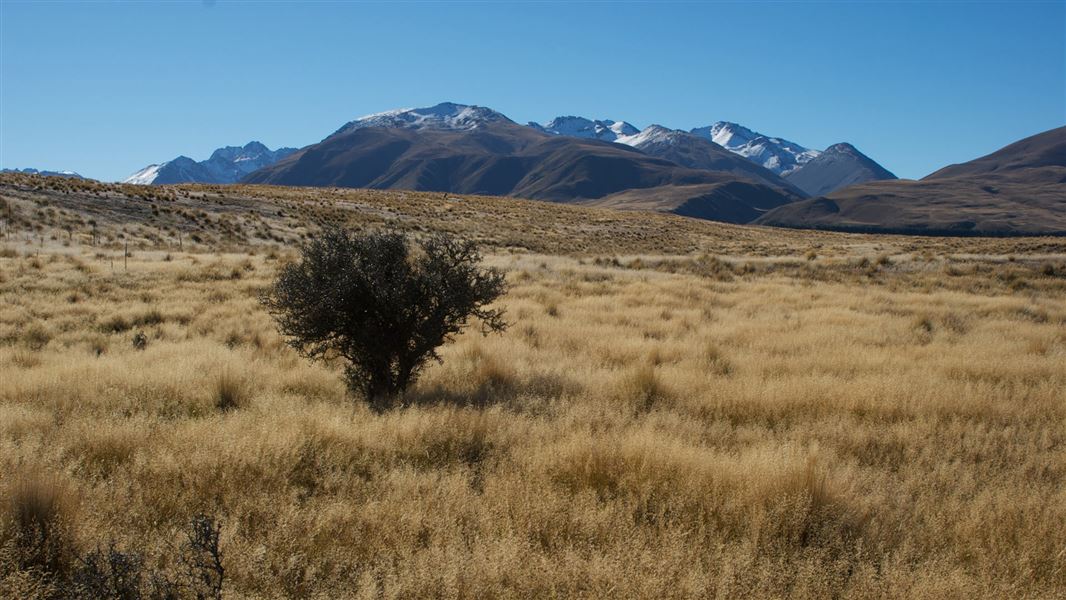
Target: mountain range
{"x": 475, "y": 150}
{"x": 28, "y": 171}
{"x": 761, "y": 158}
{"x": 723, "y": 171}
{"x": 226, "y": 165}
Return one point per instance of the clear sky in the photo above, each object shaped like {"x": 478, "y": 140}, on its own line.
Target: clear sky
{"x": 106, "y": 88}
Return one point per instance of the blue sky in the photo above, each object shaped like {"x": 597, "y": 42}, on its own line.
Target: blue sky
{"x": 105, "y": 88}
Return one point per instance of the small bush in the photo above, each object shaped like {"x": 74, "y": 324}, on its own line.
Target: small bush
{"x": 140, "y": 341}
{"x": 383, "y": 304}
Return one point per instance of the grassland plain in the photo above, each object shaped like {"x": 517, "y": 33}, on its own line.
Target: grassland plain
{"x": 679, "y": 409}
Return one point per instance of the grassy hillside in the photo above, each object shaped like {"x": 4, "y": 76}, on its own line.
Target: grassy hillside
{"x": 679, "y": 409}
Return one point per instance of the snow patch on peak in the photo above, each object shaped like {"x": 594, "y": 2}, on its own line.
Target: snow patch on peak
{"x": 580, "y": 127}
{"x": 623, "y": 128}
{"x": 446, "y": 115}
{"x": 145, "y": 176}
{"x": 727, "y": 135}
{"x": 652, "y": 134}
{"x": 779, "y": 155}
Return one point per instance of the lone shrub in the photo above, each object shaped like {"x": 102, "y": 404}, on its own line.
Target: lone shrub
{"x": 382, "y": 303}
{"x": 140, "y": 340}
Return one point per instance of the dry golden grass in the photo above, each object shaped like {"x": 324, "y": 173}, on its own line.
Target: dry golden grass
{"x": 765, "y": 425}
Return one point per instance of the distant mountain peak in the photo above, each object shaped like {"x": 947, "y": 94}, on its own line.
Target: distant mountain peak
{"x": 777, "y": 154}
{"x": 652, "y": 134}
{"x": 581, "y": 127}
{"x": 46, "y": 173}
{"x": 841, "y": 148}
{"x": 226, "y": 165}
{"x": 839, "y": 166}
{"x": 446, "y": 115}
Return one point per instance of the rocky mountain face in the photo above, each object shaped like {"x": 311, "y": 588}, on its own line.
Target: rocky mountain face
{"x": 779, "y": 155}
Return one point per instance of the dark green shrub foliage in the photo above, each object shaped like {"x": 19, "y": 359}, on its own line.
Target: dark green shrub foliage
{"x": 383, "y": 303}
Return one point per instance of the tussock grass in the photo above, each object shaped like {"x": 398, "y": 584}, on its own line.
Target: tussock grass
{"x": 230, "y": 392}
{"x": 750, "y": 424}
{"x": 38, "y": 511}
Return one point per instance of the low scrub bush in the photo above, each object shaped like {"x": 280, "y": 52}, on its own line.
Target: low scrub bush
{"x": 383, "y": 304}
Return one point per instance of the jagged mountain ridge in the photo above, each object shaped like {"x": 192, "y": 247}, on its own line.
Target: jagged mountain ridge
{"x": 600, "y": 129}
{"x": 695, "y": 152}
{"x": 226, "y": 165}
{"x": 779, "y": 155}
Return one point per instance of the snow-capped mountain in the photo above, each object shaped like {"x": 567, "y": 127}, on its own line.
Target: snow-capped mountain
{"x": 581, "y": 127}
{"x": 652, "y": 134}
{"x": 839, "y": 166}
{"x": 69, "y": 174}
{"x": 179, "y": 170}
{"x": 446, "y": 115}
{"x": 695, "y": 152}
{"x": 779, "y": 155}
{"x": 226, "y": 165}
{"x": 474, "y": 149}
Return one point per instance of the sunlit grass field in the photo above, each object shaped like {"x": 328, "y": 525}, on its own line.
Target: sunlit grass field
{"x": 853, "y": 423}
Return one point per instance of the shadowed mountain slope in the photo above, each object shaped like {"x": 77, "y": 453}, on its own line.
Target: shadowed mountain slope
{"x": 839, "y": 166}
